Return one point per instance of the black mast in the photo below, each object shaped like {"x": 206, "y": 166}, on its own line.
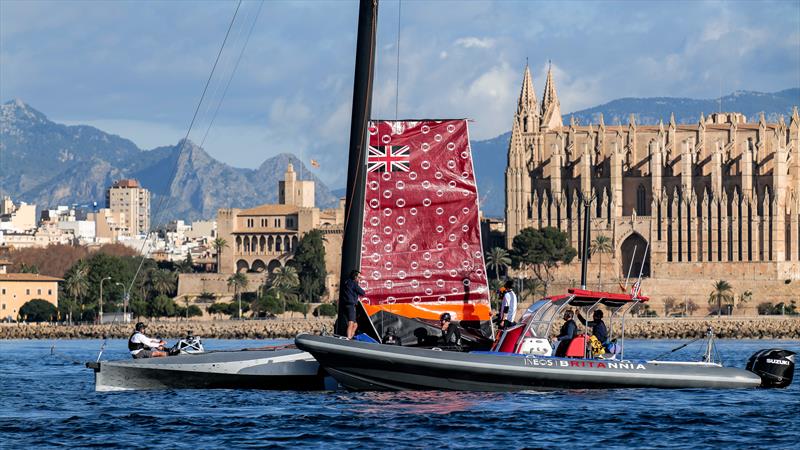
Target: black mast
{"x": 356, "y": 166}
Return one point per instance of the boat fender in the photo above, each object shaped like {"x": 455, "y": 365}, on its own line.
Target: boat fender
{"x": 774, "y": 366}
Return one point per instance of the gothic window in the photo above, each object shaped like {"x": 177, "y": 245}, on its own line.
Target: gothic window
{"x": 525, "y": 124}
{"x": 641, "y": 201}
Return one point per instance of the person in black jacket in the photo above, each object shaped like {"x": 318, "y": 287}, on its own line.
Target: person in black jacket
{"x": 347, "y": 309}
{"x": 451, "y": 335}
{"x": 599, "y": 329}
{"x": 568, "y": 331}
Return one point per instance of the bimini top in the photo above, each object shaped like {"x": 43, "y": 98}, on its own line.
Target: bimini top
{"x": 583, "y": 297}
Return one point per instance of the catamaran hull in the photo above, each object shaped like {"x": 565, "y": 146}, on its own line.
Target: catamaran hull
{"x": 364, "y": 366}
{"x": 283, "y": 369}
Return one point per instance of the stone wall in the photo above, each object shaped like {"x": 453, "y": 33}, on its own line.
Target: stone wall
{"x": 772, "y": 327}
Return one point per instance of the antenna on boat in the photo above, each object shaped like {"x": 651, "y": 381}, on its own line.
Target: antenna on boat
{"x": 587, "y": 235}
{"x": 630, "y": 267}
{"x": 641, "y": 271}
{"x": 356, "y": 166}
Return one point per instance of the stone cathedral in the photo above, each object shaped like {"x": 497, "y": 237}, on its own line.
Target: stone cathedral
{"x": 719, "y": 199}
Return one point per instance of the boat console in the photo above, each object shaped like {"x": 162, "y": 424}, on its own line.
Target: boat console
{"x": 531, "y": 336}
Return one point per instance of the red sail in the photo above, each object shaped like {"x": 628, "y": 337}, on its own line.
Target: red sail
{"x": 421, "y": 247}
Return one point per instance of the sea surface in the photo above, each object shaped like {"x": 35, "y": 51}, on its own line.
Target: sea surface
{"x": 48, "y": 400}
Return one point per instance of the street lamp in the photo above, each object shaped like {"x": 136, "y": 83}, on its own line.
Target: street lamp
{"x": 126, "y": 296}
{"x": 101, "y": 298}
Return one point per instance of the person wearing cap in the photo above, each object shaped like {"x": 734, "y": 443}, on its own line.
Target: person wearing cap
{"x": 347, "y": 309}
{"x": 508, "y": 307}
{"x": 568, "y": 332}
{"x": 451, "y": 336}
{"x": 142, "y": 346}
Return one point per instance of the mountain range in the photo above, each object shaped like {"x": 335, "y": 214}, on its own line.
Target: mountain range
{"x": 51, "y": 164}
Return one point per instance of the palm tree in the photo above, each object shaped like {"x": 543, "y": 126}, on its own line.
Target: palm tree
{"x": 219, "y": 244}
{"x": 284, "y": 282}
{"x": 238, "y": 281}
{"x": 722, "y": 293}
{"x": 498, "y": 258}
{"x": 76, "y": 284}
{"x": 601, "y": 244}
{"x": 744, "y": 299}
{"x": 163, "y": 281}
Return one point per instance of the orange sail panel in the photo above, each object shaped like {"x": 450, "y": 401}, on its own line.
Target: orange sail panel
{"x": 421, "y": 250}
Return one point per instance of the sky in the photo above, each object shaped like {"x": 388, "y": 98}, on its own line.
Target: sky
{"x": 138, "y": 69}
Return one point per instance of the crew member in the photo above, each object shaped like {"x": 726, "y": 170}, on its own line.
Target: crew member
{"x": 568, "y": 331}
{"x": 451, "y": 335}
{"x": 508, "y": 306}
{"x": 350, "y": 293}
{"x": 599, "y": 329}
{"x": 142, "y": 346}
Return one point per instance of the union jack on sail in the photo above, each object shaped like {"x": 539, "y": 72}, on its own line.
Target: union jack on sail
{"x": 388, "y": 158}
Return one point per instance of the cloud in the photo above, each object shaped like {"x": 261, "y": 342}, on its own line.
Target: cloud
{"x": 474, "y": 42}
{"x": 138, "y": 72}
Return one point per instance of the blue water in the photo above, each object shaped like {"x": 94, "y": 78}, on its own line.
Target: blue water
{"x": 49, "y": 401}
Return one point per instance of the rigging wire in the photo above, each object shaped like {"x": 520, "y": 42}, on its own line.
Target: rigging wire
{"x": 183, "y": 144}
{"x": 233, "y": 73}
{"x": 217, "y": 82}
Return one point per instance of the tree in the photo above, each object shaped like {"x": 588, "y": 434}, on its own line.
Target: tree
{"x": 601, "y": 244}
{"x": 326, "y": 310}
{"x": 238, "y": 281}
{"x": 218, "y": 308}
{"x": 284, "y": 282}
{"x": 690, "y": 307}
{"x": 163, "y": 281}
{"x": 722, "y": 293}
{"x": 162, "y": 306}
{"x": 194, "y": 311}
{"x": 498, "y": 259}
{"x": 542, "y": 250}
{"x": 187, "y": 265}
{"x": 76, "y": 285}
{"x": 38, "y": 310}
{"x": 25, "y": 268}
{"x": 309, "y": 260}
{"x": 669, "y": 305}
{"x": 138, "y": 307}
{"x": 744, "y": 299}
{"x": 267, "y": 304}
{"x": 219, "y": 244}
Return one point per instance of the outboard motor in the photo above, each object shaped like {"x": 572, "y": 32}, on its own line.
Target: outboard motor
{"x": 774, "y": 366}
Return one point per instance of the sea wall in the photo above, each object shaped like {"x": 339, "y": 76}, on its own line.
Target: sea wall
{"x": 772, "y": 327}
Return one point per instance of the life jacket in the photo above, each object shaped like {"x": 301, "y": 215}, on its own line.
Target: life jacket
{"x": 133, "y": 346}
{"x": 596, "y": 346}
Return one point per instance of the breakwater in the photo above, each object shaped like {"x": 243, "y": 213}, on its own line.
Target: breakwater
{"x": 769, "y": 327}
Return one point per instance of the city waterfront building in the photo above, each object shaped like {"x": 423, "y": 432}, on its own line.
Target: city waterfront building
{"x": 131, "y": 200}
{"x": 264, "y": 238}
{"x": 20, "y": 217}
{"x": 16, "y": 289}
{"x": 717, "y": 199}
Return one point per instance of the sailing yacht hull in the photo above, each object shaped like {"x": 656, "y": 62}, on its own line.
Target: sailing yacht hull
{"x": 364, "y": 366}
{"x": 280, "y": 369}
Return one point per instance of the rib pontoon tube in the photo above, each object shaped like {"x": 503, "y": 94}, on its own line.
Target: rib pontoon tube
{"x": 367, "y": 366}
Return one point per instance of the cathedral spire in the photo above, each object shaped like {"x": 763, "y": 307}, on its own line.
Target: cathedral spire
{"x": 551, "y": 107}
{"x": 527, "y": 96}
